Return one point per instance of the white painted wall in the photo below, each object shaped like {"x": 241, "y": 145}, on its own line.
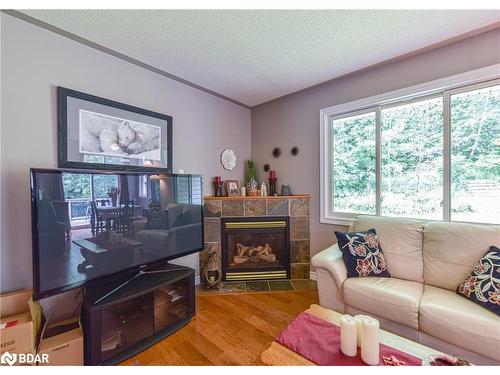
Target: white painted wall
{"x": 34, "y": 62}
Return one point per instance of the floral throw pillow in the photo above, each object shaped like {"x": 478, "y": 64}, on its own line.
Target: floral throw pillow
{"x": 483, "y": 284}
{"x": 362, "y": 254}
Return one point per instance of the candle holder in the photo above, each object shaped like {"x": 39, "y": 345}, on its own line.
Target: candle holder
{"x": 272, "y": 186}
{"x": 218, "y": 186}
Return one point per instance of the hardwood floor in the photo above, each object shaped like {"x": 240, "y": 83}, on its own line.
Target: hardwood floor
{"x": 228, "y": 329}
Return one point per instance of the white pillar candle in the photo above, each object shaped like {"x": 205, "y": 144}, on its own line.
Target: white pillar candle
{"x": 370, "y": 341}
{"x": 359, "y": 330}
{"x": 348, "y": 337}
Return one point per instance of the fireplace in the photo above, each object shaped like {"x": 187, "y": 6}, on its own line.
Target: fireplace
{"x": 255, "y": 248}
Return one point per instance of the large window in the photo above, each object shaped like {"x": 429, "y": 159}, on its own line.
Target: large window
{"x": 353, "y": 141}
{"x": 412, "y": 159}
{"x": 475, "y": 155}
{"x": 432, "y": 153}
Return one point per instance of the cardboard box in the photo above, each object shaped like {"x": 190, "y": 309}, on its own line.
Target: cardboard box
{"x": 20, "y": 320}
{"x": 63, "y": 343}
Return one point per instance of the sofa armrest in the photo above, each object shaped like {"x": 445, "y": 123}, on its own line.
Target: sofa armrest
{"x": 331, "y": 260}
{"x": 331, "y": 273}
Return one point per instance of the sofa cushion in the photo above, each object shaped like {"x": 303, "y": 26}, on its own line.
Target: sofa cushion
{"x": 452, "y": 249}
{"x": 362, "y": 253}
{"x": 401, "y": 240}
{"x": 482, "y": 286}
{"x": 458, "y": 321}
{"x": 389, "y": 298}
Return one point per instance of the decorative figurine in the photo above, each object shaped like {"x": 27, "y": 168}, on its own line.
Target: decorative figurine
{"x": 263, "y": 189}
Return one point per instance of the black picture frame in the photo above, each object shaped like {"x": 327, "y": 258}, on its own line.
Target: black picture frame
{"x": 62, "y": 102}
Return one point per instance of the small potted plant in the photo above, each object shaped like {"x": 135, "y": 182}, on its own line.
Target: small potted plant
{"x": 113, "y": 194}
{"x": 251, "y": 177}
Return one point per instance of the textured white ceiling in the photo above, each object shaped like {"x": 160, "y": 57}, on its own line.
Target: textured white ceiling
{"x": 253, "y": 56}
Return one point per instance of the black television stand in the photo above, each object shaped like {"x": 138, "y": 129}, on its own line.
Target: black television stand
{"x": 138, "y": 274}
{"x": 132, "y": 313}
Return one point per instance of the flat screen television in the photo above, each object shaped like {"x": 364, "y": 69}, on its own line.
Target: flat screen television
{"x": 88, "y": 226}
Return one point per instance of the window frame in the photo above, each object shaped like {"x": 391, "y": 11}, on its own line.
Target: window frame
{"x": 444, "y": 87}
{"x": 331, "y": 157}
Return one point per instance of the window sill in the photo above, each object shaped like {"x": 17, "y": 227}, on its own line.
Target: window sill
{"x": 337, "y": 220}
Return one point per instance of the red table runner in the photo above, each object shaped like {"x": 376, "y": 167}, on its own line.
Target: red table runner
{"x": 319, "y": 341}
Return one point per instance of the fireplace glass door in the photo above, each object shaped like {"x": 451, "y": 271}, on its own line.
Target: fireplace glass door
{"x": 255, "y": 248}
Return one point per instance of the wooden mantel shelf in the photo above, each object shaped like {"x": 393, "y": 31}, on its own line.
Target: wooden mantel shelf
{"x": 295, "y": 196}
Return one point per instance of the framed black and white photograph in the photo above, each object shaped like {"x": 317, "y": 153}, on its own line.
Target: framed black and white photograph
{"x": 99, "y": 133}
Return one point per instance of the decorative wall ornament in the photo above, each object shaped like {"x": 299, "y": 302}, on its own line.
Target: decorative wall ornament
{"x": 267, "y": 167}
{"x": 276, "y": 152}
{"x": 228, "y": 159}
{"x": 294, "y": 151}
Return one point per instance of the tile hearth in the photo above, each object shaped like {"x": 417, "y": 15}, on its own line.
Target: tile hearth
{"x": 260, "y": 286}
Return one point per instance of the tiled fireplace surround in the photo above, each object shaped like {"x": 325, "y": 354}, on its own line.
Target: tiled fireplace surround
{"x": 296, "y": 206}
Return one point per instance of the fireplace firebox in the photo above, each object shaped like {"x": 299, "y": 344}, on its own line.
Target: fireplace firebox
{"x": 255, "y": 248}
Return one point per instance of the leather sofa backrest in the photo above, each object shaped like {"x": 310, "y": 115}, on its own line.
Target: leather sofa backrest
{"x": 452, "y": 249}
{"x": 401, "y": 241}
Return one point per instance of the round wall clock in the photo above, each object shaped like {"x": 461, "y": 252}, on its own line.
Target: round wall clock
{"x": 228, "y": 159}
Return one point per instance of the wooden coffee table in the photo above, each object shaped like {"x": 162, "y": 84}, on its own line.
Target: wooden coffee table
{"x": 279, "y": 355}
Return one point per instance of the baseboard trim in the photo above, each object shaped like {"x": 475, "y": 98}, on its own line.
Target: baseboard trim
{"x": 312, "y": 275}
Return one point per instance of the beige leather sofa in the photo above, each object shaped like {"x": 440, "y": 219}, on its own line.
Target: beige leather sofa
{"x": 427, "y": 261}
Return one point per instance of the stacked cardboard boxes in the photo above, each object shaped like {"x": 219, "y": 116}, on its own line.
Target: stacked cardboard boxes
{"x": 24, "y": 341}
{"x": 20, "y": 320}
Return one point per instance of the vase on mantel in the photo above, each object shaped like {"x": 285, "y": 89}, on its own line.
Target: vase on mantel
{"x": 252, "y": 187}
{"x": 251, "y": 177}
